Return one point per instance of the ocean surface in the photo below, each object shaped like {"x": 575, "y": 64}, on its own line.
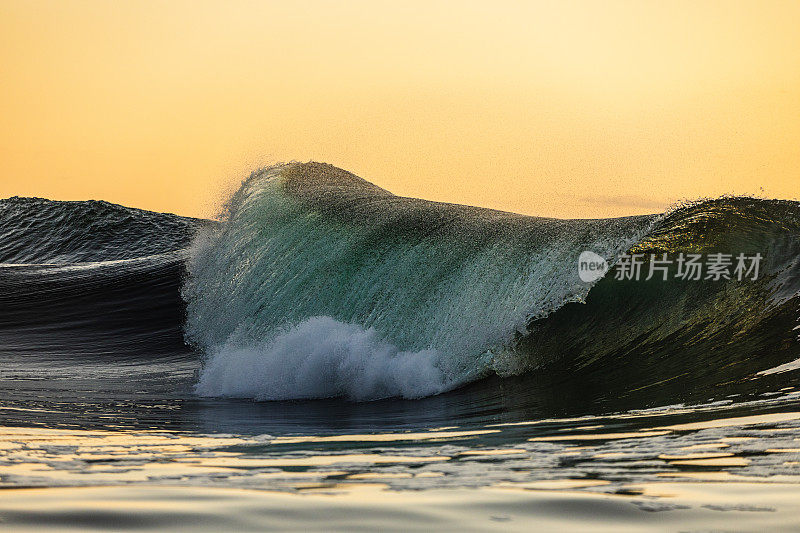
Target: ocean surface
{"x": 330, "y": 356}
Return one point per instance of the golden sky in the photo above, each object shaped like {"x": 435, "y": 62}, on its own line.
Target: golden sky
{"x": 569, "y": 109}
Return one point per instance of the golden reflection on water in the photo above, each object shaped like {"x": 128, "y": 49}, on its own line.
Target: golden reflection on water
{"x": 317, "y": 460}
{"x": 600, "y": 436}
{"x": 556, "y": 484}
{"x": 380, "y": 475}
{"x": 720, "y": 461}
{"x": 694, "y": 456}
{"x": 383, "y": 437}
{"x": 737, "y": 421}
{"x": 564, "y": 504}
{"x": 444, "y": 456}
{"x": 693, "y": 426}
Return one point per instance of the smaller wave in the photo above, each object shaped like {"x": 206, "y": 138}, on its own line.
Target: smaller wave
{"x": 322, "y": 358}
{"x": 90, "y": 282}
{"x": 39, "y": 231}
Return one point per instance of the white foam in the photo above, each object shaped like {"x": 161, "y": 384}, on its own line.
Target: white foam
{"x": 322, "y": 358}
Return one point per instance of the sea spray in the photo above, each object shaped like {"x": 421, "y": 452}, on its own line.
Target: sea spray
{"x": 321, "y": 358}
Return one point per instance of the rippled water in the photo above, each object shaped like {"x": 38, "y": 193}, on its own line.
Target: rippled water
{"x": 702, "y": 467}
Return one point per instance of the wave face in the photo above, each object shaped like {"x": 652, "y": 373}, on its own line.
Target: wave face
{"x": 303, "y": 241}
{"x": 320, "y": 284}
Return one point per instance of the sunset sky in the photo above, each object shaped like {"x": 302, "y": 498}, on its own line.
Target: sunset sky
{"x": 569, "y": 109}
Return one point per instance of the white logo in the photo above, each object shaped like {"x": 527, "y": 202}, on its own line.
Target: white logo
{"x": 591, "y": 266}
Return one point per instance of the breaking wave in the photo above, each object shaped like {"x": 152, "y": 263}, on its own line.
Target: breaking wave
{"x": 320, "y": 284}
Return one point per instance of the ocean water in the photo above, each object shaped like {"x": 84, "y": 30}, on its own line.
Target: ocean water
{"x": 331, "y": 356}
